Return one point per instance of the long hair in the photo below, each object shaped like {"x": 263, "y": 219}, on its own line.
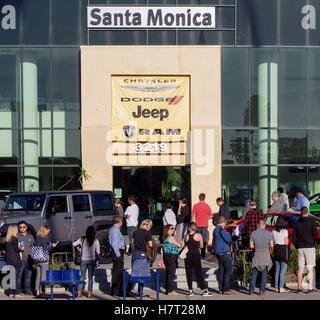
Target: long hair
{"x": 166, "y": 229}
{"x": 192, "y": 227}
{"x": 282, "y": 223}
{"x": 146, "y": 224}
{"x": 12, "y": 232}
{"x": 90, "y": 235}
{"x": 42, "y": 230}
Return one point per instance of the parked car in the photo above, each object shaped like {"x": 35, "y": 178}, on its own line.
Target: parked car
{"x": 315, "y": 204}
{"x": 68, "y": 213}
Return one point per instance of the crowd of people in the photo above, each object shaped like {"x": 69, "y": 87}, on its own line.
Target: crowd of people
{"x": 184, "y": 235}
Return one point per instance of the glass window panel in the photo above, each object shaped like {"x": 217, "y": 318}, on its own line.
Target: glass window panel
{"x": 264, "y": 146}
{"x": 81, "y": 203}
{"x": 36, "y": 88}
{"x": 292, "y": 88}
{"x": 235, "y": 187}
{"x": 235, "y": 78}
{"x": 37, "y": 147}
{"x": 256, "y": 22}
{"x": 9, "y": 88}
{"x": 102, "y": 201}
{"x": 66, "y": 147}
{"x": 66, "y": 21}
{"x": 292, "y": 179}
{"x": 263, "y": 70}
{"x": 163, "y": 37}
{"x": 235, "y": 147}
{"x": 117, "y": 37}
{"x": 66, "y": 178}
{"x": 8, "y": 181}
{"x": 314, "y": 183}
{"x": 314, "y": 88}
{"x": 314, "y": 147}
{"x": 10, "y": 147}
{"x": 57, "y": 204}
{"x": 292, "y": 146}
{"x": 35, "y": 22}
{"x": 10, "y": 36}
{"x": 66, "y": 88}
{"x": 202, "y": 37}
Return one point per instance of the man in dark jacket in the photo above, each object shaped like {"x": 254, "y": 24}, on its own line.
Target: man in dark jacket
{"x": 303, "y": 233}
{"x": 224, "y": 210}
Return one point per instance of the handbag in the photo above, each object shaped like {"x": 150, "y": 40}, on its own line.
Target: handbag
{"x": 39, "y": 254}
{"x": 183, "y": 252}
{"x": 78, "y": 255}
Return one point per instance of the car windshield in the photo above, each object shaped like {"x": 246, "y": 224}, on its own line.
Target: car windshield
{"x": 25, "y": 202}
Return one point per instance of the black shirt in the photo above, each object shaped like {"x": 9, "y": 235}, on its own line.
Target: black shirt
{"x": 184, "y": 216}
{"x": 141, "y": 238}
{"x": 12, "y": 256}
{"x": 304, "y": 230}
{"x": 224, "y": 211}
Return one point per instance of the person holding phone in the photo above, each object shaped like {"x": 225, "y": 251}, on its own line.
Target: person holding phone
{"x": 42, "y": 267}
{"x": 26, "y": 240}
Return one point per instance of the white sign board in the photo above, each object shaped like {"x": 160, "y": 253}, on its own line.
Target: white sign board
{"x": 151, "y": 17}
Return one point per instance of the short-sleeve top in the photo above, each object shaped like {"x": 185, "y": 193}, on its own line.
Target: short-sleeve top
{"x": 169, "y": 247}
{"x": 278, "y": 237}
{"x": 141, "y": 238}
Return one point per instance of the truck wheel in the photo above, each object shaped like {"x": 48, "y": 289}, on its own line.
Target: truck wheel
{"x": 102, "y": 237}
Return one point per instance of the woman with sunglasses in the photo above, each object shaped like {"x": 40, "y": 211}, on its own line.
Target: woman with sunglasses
{"x": 170, "y": 254}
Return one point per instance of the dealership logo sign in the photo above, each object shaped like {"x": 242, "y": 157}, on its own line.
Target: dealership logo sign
{"x": 129, "y": 131}
{"x": 151, "y": 17}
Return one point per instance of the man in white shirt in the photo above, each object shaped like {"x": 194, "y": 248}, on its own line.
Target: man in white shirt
{"x": 131, "y": 215}
{"x": 169, "y": 216}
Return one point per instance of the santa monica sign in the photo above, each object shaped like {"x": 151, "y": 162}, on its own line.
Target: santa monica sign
{"x": 151, "y": 17}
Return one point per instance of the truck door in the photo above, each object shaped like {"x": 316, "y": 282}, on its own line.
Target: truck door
{"x": 58, "y": 216}
{"x": 82, "y": 214}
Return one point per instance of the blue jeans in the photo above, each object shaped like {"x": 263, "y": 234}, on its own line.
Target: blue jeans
{"x": 203, "y": 232}
{"x": 27, "y": 276}
{"x": 280, "y": 273}
{"x": 254, "y": 278}
{"x": 90, "y": 265}
{"x": 225, "y": 271}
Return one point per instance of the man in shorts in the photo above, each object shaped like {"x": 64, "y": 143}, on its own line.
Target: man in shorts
{"x": 303, "y": 233}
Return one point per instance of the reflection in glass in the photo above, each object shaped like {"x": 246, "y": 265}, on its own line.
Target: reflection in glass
{"x": 292, "y": 88}
{"x": 292, "y": 146}
{"x": 66, "y": 88}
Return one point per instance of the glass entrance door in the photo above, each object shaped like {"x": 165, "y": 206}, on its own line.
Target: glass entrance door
{"x": 153, "y": 187}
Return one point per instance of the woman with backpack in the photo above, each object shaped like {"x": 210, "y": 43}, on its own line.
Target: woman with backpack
{"x": 281, "y": 253}
{"x": 89, "y": 247}
{"x": 12, "y": 257}
{"x": 41, "y": 247}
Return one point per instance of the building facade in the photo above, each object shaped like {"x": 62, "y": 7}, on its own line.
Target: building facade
{"x": 253, "y": 98}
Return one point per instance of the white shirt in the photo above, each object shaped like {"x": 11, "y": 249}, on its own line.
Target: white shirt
{"x": 88, "y": 253}
{"x": 285, "y": 200}
{"x": 133, "y": 212}
{"x": 169, "y": 218}
{"x": 278, "y": 237}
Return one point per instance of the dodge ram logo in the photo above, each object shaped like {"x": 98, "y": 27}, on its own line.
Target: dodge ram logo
{"x": 129, "y": 131}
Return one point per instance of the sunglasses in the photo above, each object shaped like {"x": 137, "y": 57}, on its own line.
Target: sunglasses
{"x": 22, "y": 227}
{"x": 172, "y": 228}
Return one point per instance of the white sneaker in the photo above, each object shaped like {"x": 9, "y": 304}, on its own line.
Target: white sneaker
{"x": 206, "y": 293}
{"x": 173, "y": 293}
{"x": 191, "y": 293}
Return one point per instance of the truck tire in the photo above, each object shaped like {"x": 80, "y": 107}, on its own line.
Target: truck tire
{"x": 102, "y": 237}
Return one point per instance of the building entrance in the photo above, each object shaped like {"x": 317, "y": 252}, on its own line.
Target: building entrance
{"x": 153, "y": 187}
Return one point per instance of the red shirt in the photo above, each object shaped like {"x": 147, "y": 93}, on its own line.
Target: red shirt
{"x": 202, "y": 212}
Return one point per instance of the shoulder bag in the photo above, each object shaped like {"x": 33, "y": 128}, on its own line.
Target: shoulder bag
{"x": 78, "y": 254}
